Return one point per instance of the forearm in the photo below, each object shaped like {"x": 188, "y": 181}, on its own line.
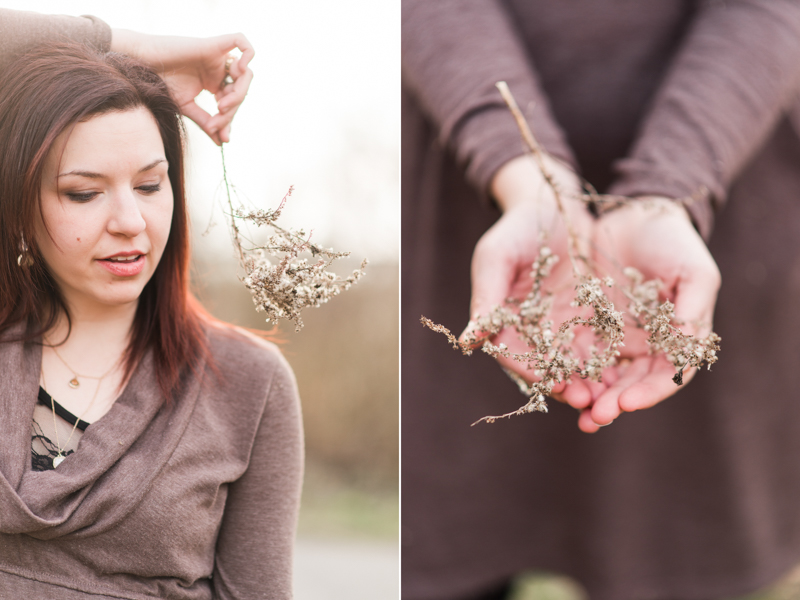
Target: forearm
{"x": 453, "y": 53}
{"x": 22, "y": 30}
{"x": 162, "y": 52}
{"x": 736, "y": 73}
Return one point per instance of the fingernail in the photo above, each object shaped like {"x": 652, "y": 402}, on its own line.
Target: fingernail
{"x": 606, "y": 425}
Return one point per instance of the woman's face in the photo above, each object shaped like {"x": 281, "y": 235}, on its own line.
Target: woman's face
{"x": 107, "y": 208}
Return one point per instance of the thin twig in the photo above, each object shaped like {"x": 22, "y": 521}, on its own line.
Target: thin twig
{"x": 538, "y": 155}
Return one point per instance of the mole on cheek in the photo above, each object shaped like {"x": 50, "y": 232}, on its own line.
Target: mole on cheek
{"x": 79, "y": 239}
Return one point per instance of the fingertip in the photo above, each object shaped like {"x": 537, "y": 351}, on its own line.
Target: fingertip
{"x": 585, "y": 423}
{"x": 605, "y": 411}
{"x": 657, "y": 386}
{"x": 577, "y": 395}
{"x": 643, "y": 394}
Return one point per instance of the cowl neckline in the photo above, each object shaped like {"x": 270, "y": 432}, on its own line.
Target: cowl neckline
{"x": 116, "y": 461}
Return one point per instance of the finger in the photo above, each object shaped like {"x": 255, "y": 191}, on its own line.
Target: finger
{"x": 241, "y": 42}
{"x": 221, "y": 122}
{"x": 606, "y": 407}
{"x": 695, "y": 297}
{"x": 577, "y": 394}
{"x": 202, "y": 118}
{"x": 653, "y": 388}
{"x": 493, "y": 274}
{"x": 229, "y": 105}
{"x": 231, "y": 41}
{"x": 225, "y": 134}
{"x": 238, "y": 90}
{"x": 585, "y": 422}
{"x": 612, "y": 375}
{"x": 596, "y": 388}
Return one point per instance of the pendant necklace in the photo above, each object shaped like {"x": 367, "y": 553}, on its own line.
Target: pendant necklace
{"x": 58, "y": 459}
{"x": 75, "y": 383}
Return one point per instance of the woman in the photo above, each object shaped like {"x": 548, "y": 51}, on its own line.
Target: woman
{"x": 695, "y": 498}
{"x": 165, "y": 459}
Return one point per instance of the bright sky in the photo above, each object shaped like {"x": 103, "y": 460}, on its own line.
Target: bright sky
{"x": 323, "y": 112}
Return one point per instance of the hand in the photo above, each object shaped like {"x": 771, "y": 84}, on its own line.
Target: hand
{"x": 656, "y": 237}
{"x": 190, "y": 65}
{"x": 501, "y": 262}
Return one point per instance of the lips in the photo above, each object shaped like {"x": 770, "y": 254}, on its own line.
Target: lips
{"x": 124, "y": 264}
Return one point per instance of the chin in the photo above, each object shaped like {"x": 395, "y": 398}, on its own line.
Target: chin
{"x": 122, "y": 293}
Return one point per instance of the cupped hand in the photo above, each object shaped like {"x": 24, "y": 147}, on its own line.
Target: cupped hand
{"x": 191, "y": 65}
{"x": 503, "y": 257}
{"x": 655, "y": 236}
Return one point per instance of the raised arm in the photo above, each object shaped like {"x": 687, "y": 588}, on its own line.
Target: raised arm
{"x": 188, "y": 65}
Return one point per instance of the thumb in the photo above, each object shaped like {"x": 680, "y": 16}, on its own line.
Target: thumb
{"x": 695, "y": 298}
{"x": 492, "y": 277}
{"x": 202, "y": 118}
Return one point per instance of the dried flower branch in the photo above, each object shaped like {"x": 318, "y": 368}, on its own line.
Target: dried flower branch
{"x": 551, "y": 357}
{"x": 281, "y": 281}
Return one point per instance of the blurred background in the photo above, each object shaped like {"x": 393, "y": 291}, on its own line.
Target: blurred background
{"x": 322, "y": 115}
{"x": 542, "y": 586}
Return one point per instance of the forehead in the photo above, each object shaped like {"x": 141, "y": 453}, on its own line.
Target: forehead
{"x": 107, "y": 142}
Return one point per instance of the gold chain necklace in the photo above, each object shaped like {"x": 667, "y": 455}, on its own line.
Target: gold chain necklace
{"x": 74, "y": 383}
{"x": 60, "y": 457}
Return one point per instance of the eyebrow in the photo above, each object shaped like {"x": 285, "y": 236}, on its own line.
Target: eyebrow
{"x": 91, "y": 175}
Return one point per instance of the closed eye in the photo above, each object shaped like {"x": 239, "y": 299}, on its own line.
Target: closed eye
{"x": 150, "y": 189}
{"x": 81, "y": 196}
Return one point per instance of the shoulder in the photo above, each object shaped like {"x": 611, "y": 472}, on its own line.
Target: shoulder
{"x": 249, "y": 365}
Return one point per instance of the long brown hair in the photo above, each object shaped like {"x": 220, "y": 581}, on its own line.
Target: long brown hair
{"x": 45, "y": 92}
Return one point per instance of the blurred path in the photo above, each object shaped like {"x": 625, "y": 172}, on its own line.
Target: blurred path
{"x": 332, "y": 569}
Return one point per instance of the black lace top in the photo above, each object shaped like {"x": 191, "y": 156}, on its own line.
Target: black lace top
{"x": 43, "y": 461}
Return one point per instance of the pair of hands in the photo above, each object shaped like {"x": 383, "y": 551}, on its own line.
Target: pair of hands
{"x": 655, "y": 237}
{"x": 191, "y": 65}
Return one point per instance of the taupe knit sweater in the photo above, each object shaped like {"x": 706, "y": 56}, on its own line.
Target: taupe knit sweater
{"x": 195, "y": 500}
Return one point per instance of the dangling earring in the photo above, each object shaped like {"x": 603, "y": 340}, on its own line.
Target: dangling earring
{"x": 24, "y": 260}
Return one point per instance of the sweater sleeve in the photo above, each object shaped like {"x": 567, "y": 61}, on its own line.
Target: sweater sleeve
{"x": 453, "y": 53}
{"x": 21, "y": 30}
{"x": 254, "y": 547}
{"x": 736, "y": 73}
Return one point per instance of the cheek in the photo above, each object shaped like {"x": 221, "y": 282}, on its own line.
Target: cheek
{"x": 62, "y": 232}
{"x": 160, "y": 222}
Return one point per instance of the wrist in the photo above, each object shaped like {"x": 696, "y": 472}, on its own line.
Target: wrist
{"x": 521, "y": 181}
{"x": 651, "y": 206}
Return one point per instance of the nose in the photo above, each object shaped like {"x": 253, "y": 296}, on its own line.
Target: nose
{"x": 126, "y": 216}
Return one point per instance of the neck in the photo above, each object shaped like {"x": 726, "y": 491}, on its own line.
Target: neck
{"x": 89, "y": 355}
{"x": 95, "y": 337}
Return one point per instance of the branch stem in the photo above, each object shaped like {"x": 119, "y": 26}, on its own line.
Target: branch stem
{"x": 538, "y": 156}
{"x": 237, "y": 242}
